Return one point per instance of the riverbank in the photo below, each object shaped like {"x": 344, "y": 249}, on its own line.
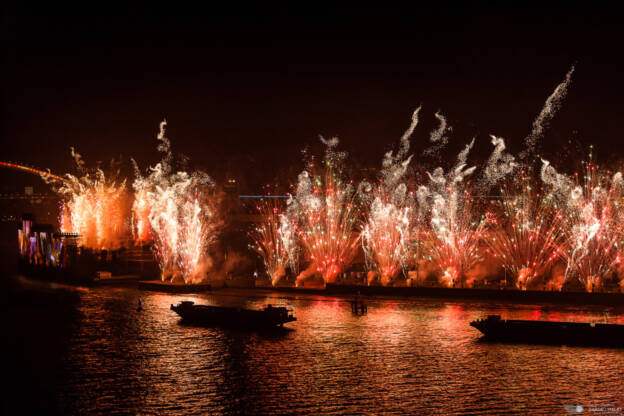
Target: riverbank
{"x": 516, "y": 296}
{"x": 509, "y": 295}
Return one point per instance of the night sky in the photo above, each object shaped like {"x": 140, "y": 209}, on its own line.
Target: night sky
{"x": 251, "y": 87}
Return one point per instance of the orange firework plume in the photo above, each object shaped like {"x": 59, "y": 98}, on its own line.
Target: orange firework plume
{"x": 94, "y": 206}
{"x": 140, "y": 209}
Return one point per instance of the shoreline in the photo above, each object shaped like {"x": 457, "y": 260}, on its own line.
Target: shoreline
{"x": 510, "y": 295}
{"x": 516, "y": 296}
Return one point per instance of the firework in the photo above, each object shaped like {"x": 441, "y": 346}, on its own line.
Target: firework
{"x": 552, "y": 104}
{"x": 422, "y": 237}
{"x": 386, "y": 234}
{"x": 94, "y": 206}
{"x": 437, "y": 137}
{"x": 593, "y": 213}
{"x": 498, "y": 166}
{"x": 323, "y": 211}
{"x": 385, "y": 237}
{"x": 140, "y": 217}
{"x": 456, "y": 249}
{"x": 268, "y": 239}
{"x": 572, "y": 223}
{"x": 454, "y": 220}
{"x": 525, "y": 231}
{"x": 183, "y": 216}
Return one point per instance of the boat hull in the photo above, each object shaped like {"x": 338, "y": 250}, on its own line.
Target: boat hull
{"x": 546, "y": 332}
{"x": 232, "y": 317}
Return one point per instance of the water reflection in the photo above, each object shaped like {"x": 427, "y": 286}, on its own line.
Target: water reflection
{"x": 404, "y": 356}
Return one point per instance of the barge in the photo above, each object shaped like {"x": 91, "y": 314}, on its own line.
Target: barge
{"x": 269, "y": 317}
{"x": 550, "y": 332}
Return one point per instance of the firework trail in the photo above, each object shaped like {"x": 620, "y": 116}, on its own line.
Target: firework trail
{"x": 268, "y": 241}
{"x": 94, "y": 206}
{"x": 498, "y": 166}
{"x": 525, "y": 231}
{"x": 437, "y": 137}
{"x": 324, "y": 211}
{"x": 386, "y": 234}
{"x": 553, "y": 102}
{"x": 183, "y": 216}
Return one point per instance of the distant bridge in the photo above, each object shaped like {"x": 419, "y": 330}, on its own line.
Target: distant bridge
{"x": 31, "y": 170}
{"x": 31, "y": 197}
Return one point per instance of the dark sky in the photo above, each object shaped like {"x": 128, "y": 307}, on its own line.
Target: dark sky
{"x": 256, "y": 86}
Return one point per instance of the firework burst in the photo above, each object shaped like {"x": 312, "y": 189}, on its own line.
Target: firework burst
{"x": 183, "y": 216}
{"x": 593, "y": 214}
{"x": 141, "y": 230}
{"x": 386, "y": 234}
{"x": 94, "y": 206}
{"x": 525, "y": 231}
{"x": 323, "y": 211}
{"x": 268, "y": 241}
{"x": 454, "y": 223}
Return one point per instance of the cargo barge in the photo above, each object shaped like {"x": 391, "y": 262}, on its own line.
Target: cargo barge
{"x": 550, "y": 332}
{"x": 269, "y": 317}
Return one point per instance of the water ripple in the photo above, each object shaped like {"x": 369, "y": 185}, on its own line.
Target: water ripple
{"x": 404, "y": 357}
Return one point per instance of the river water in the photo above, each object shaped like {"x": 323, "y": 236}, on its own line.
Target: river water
{"x": 406, "y": 356}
